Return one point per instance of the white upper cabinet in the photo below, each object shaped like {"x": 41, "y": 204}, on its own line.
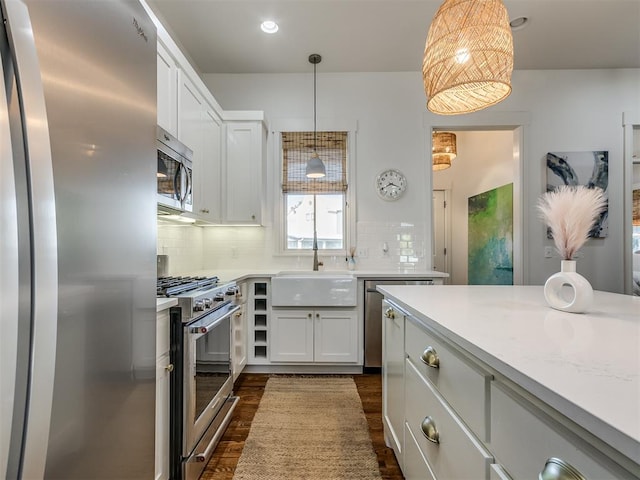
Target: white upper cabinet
{"x": 190, "y": 108}
{"x": 167, "y": 91}
{"x": 206, "y": 188}
{"x": 244, "y": 172}
{"x": 200, "y": 129}
{"x": 229, "y": 148}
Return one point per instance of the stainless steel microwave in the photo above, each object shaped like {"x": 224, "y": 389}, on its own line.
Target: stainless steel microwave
{"x": 175, "y": 173}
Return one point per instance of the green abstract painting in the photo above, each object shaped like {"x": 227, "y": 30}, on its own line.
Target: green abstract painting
{"x": 491, "y": 237}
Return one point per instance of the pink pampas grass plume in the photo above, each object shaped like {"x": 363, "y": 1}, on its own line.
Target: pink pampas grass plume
{"x": 570, "y": 212}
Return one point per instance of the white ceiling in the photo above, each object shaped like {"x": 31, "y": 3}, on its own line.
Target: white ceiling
{"x": 223, "y": 36}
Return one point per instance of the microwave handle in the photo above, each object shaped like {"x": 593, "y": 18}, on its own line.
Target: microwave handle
{"x": 189, "y": 186}
{"x": 176, "y": 178}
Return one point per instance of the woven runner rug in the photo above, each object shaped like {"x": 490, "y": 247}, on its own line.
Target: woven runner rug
{"x": 310, "y": 428}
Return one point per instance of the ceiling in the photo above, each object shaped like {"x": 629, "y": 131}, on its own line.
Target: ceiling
{"x": 223, "y": 36}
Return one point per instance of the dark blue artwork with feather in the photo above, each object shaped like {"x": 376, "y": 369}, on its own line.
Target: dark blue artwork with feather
{"x": 581, "y": 168}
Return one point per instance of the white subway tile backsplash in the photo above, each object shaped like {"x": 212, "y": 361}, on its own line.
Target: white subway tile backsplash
{"x": 193, "y": 248}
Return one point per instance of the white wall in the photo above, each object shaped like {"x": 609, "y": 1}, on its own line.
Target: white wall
{"x": 569, "y": 110}
{"x": 389, "y": 135}
{"x": 484, "y": 162}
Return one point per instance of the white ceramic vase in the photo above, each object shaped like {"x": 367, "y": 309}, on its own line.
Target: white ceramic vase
{"x": 567, "y": 290}
{"x": 351, "y": 263}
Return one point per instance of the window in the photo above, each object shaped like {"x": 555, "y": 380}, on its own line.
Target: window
{"x": 305, "y": 198}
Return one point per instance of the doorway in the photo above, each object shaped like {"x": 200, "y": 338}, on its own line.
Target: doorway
{"x": 486, "y": 128}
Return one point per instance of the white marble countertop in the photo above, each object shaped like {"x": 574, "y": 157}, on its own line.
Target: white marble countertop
{"x": 239, "y": 275}
{"x": 586, "y": 366}
{"x": 164, "y": 303}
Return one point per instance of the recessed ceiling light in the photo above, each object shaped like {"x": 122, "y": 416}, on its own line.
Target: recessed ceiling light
{"x": 519, "y": 23}
{"x": 269, "y": 26}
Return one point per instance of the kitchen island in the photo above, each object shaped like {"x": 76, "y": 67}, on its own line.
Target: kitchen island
{"x": 577, "y": 372}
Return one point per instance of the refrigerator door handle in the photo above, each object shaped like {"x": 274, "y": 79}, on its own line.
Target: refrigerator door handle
{"x": 9, "y": 278}
{"x": 43, "y": 236}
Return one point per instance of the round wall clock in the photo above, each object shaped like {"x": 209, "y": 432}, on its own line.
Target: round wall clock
{"x": 391, "y": 184}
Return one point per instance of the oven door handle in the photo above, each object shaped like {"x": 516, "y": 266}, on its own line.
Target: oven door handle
{"x": 202, "y": 328}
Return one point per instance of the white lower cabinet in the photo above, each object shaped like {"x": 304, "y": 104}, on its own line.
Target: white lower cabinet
{"x": 239, "y": 330}
{"x": 524, "y": 437}
{"x": 393, "y": 378}
{"x": 162, "y": 417}
{"x": 450, "y": 448}
{"x": 313, "y": 335}
{"x": 163, "y": 372}
{"x": 459, "y": 419}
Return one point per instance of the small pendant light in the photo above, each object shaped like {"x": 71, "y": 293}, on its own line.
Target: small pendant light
{"x": 443, "y": 149}
{"x": 315, "y": 166}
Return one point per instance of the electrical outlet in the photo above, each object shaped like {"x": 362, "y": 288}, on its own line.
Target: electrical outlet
{"x": 362, "y": 252}
{"x": 548, "y": 252}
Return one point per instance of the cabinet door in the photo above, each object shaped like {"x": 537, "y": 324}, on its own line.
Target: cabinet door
{"x": 190, "y": 119}
{"x": 291, "y": 336}
{"x": 393, "y": 378}
{"x": 162, "y": 333}
{"x": 243, "y": 173}
{"x": 163, "y": 371}
{"x": 239, "y": 342}
{"x": 167, "y": 91}
{"x": 336, "y": 336}
{"x": 206, "y": 188}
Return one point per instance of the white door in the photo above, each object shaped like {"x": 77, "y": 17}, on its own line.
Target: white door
{"x": 440, "y": 234}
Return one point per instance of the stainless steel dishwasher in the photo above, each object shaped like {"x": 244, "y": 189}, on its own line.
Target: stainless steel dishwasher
{"x": 373, "y": 320}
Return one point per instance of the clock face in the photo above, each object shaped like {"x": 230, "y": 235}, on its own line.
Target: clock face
{"x": 391, "y": 184}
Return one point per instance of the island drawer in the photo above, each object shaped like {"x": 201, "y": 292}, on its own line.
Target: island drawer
{"x": 415, "y": 466}
{"x": 456, "y": 453}
{"x": 463, "y": 384}
{"x": 523, "y": 438}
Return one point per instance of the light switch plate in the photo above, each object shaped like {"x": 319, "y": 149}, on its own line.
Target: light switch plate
{"x": 548, "y": 252}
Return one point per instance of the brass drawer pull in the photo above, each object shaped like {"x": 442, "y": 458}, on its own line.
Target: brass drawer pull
{"x": 430, "y": 431}
{"x": 557, "y": 469}
{"x": 389, "y": 313}
{"x": 430, "y": 357}
{"x": 169, "y": 368}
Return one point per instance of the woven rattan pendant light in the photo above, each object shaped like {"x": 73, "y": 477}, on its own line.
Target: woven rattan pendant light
{"x": 468, "y": 57}
{"x": 443, "y": 149}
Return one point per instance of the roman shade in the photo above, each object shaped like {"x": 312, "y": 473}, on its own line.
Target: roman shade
{"x": 297, "y": 148}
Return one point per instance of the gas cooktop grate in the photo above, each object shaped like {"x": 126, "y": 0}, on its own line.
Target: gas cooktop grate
{"x": 171, "y": 286}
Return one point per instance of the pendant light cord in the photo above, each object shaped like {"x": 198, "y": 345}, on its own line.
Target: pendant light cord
{"x": 315, "y": 135}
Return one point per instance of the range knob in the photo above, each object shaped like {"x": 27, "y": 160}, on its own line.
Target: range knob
{"x": 218, "y": 298}
{"x": 207, "y": 302}
{"x": 231, "y": 291}
{"x": 198, "y": 306}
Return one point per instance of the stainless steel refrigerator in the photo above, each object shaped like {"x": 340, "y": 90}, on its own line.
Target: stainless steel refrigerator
{"x": 77, "y": 239}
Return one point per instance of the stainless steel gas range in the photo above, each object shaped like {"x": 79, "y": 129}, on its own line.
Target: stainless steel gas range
{"x": 201, "y": 384}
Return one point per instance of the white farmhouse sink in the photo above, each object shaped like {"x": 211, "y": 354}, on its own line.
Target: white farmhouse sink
{"x": 313, "y": 289}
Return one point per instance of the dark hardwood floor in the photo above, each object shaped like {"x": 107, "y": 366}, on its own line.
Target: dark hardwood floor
{"x": 249, "y": 387}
